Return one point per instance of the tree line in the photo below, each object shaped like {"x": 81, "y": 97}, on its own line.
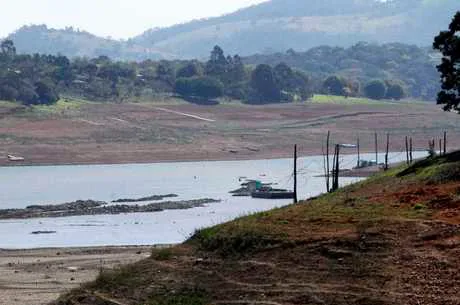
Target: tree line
{"x": 41, "y": 79}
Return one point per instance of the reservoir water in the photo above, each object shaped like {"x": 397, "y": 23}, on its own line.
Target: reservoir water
{"x": 23, "y": 186}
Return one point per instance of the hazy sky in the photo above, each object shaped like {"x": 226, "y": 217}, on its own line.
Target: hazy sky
{"x": 116, "y": 18}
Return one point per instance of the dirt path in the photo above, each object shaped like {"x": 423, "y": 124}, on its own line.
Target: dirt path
{"x": 36, "y": 277}
{"x": 185, "y": 114}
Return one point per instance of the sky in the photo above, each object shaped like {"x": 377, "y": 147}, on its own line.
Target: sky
{"x": 114, "y": 18}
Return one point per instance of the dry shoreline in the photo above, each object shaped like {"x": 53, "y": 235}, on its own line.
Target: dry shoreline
{"x": 39, "y": 276}
{"x": 268, "y": 156}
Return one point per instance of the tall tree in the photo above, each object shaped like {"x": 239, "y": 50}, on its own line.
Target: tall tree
{"x": 264, "y": 83}
{"x": 448, "y": 42}
{"x": 217, "y": 64}
{"x": 7, "y": 47}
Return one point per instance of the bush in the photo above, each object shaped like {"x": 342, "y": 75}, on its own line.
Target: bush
{"x": 395, "y": 91}
{"x": 46, "y": 93}
{"x": 334, "y": 85}
{"x": 234, "y": 243}
{"x": 203, "y": 87}
{"x": 375, "y": 90}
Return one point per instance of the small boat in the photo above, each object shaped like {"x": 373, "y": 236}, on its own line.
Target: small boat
{"x": 273, "y": 194}
{"x": 15, "y": 158}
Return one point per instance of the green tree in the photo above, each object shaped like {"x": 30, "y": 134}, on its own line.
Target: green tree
{"x": 191, "y": 69}
{"x": 7, "y": 48}
{"x": 375, "y": 90}
{"x": 200, "y": 87}
{"x": 46, "y": 93}
{"x": 264, "y": 84}
{"x": 395, "y": 90}
{"x": 217, "y": 63}
{"x": 448, "y": 43}
{"x": 334, "y": 85}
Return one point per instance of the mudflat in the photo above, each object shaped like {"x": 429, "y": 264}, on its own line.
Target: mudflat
{"x": 108, "y": 133}
{"x": 39, "y": 276}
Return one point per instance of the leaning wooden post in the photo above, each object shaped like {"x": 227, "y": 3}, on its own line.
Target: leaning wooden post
{"x": 328, "y": 169}
{"x": 407, "y": 150}
{"x": 335, "y": 184}
{"x": 387, "y": 151}
{"x": 295, "y": 174}
{"x": 445, "y": 142}
{"x": 376, "y": 150}
{"x": 410, "y": 150}
{"x": 333, "y": 169}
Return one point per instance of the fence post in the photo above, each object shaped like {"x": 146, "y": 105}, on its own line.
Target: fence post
{"x": 359, "y": 153}
{"x": 407, "y": 150}
{"x": 376, "y": 150}
{"x": 295, "y": 174}
{"x": 445, "y": 142}
{"x": 335, "y": 183}
{"x": 411, "y": 159}
{"x": 387, "y": 151}
{"x": 328, "y": 169}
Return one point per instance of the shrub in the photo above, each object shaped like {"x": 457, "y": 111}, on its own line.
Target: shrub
{"x": 203, "y": 87}
{"x": 375, "y": 90}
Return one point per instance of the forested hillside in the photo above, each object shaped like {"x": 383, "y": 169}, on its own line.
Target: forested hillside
{"x": 273, "y": 26}
{"x": 410, "y": 65}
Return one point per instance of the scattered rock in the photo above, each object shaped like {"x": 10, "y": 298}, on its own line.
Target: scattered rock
{"x": 43, "y": 232}
{"x": 91, "y": 207}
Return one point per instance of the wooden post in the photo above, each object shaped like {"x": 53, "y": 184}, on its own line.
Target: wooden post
{"x": 407, "y": 150}
{"x": 376, "y": 150}
{"x": 295, "y": 174}
{"x": 359, "y": 153}
{"x": 440, "y": 147}
{"x": 335, "y": 181}
{"x": 333, "y": 170}
{"x": 387, "y": 151}
{"x": 445, "y": 142}
{"x": 328, "y": 169}
{"x": 410, "y": 151}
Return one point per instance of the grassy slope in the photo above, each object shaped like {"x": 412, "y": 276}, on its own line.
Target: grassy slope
{"x": 393, "y": 239}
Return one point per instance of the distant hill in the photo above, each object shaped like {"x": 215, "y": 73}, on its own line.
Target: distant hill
{"x": 269, "y": 27}
{"x": 74, "y": 43}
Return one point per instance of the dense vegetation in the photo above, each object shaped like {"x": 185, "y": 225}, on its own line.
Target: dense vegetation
{"x": 37, "y": 79}
{"x": 288, "y": 23}
{"x": 401, "y": 66}
{"x": 448, "y": 42}
{"x": 377, "y": 72}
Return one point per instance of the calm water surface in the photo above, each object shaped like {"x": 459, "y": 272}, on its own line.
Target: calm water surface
{"x": 23, "y": 186}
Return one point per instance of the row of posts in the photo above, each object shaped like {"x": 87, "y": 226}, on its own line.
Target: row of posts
{"x": 336, "y": 158}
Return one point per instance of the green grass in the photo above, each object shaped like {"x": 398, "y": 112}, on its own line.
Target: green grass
{"x": 63, "y": 107}
{"x": 7, "y": 104}
{"x": 341, "y": 100}
{"x": 333, "y": 99}
{"x": 183, "y": 297}
{"x": 162, "y": 254}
